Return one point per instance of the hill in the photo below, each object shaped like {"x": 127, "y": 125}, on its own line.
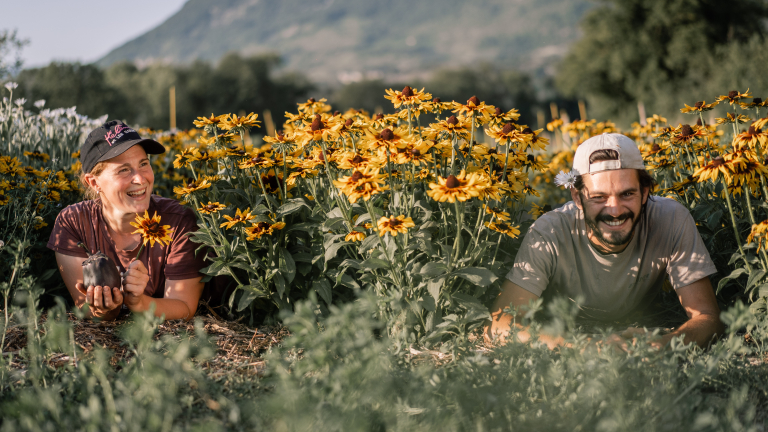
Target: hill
{"x": 345, "y": 40}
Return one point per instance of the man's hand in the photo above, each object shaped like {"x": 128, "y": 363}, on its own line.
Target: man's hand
{"x": 102, "y": 301}
{"x": 135, "y": 280}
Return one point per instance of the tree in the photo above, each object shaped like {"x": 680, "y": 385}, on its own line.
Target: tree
{"x": 10, "y": 50}
{"x": 660, "y": 52}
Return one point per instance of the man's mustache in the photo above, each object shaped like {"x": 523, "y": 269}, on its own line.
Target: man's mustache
{"x": 608, "y": 218}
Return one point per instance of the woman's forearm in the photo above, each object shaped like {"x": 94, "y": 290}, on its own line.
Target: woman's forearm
{"x": 172, "y": 309}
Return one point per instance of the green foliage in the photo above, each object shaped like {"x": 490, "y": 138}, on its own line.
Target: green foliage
{"x": 664, "y": 53}
{"x": 141, "y": 96}
{"x": 10, "y": 47}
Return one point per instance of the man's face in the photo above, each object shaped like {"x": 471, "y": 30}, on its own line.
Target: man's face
{"x": 612, "y": 202}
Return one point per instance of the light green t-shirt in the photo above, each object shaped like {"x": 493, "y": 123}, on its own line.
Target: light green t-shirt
{"x": 556, "y": 256}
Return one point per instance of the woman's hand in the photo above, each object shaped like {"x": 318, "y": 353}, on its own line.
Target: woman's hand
{"x": 135, "y": 280}
{"x": 101, "y": 300}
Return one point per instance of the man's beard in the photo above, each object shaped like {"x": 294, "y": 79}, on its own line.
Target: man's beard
{"x": 617, "y": 239}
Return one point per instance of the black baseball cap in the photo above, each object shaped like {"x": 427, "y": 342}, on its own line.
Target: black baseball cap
{"x": 112, "y": 139}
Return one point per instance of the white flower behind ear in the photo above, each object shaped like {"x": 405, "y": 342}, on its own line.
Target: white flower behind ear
{"x": 566, "y": 179}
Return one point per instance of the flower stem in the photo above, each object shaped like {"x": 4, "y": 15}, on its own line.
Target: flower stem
{"x": 735, "y": 228}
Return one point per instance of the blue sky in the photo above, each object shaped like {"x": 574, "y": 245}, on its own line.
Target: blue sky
{"x": 80, "y": 30}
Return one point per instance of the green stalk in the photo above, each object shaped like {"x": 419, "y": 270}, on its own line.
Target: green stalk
{"x": 747, "y": 193}
{"x": 736, "y": 229}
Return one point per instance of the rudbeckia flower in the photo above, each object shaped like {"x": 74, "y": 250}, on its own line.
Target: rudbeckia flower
{"x": 408, "y": 96}
{"x": 192, "y": 186}
{"x": 363, "y": 184}
{"x": 712, "y": 171}
{"x": 504, "y": 228}
{"x": 257, "y": 230}
{"x": 211, "y": 207}
{"x": 394, "y": 225}
{"x": 733, "y": 97}
{"x": 698, "y": 107}
{"x": 497, "y": 213}
{"x": 461, "y": 187}
{"x": 151, "y": 231}
{"x": 240, "y": 217}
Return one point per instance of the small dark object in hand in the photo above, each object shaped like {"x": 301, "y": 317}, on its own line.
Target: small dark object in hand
{"x": 99, "y": 270}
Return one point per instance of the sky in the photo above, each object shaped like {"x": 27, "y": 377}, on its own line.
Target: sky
{"x": 80, "y": 30}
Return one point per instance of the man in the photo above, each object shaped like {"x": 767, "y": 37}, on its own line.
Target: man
{"x": 613, "y": 246}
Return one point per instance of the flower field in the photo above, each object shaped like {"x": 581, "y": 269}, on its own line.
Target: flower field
{"x": 380, "y": 240}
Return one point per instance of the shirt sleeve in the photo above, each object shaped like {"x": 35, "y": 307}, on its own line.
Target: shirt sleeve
{"x": 182, "y": 263}
{"x": 66, "y": 234}
{"x": 534, "y": 263}
{"x": 689, "y": 261}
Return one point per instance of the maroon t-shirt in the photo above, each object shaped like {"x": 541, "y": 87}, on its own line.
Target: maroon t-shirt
{"x": 83, "y": 222}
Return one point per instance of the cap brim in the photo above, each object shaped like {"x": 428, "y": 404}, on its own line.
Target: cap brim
{"x": 150, "y": 146}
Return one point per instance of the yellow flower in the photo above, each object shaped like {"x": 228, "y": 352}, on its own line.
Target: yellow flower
{"x": 758, "y": 233}
{"x": 151, "y": 230}
{"x": 388, "y": 140}
{"x": 497, "y": 213}
{"x": 732, "y": 118}
{"x": 357, "y": 161}
{"x": 240, "y": 217}
{"x": 686, "y": 134}
{"x": 394, "y": 225}
{"x": 461, "y": 187}
{"x": 761, "y": 123}
{"x": 417, "y": 154}
{"x": 257, "y": 230}
{"x": 713, "y": 170}
{"x": 37, "y": 155}
{"x": 733, "y": 97}
{"x": 257, "y": 161}
{"x": 474, "y": 105}
{"x": 750, "y": 138}
{"x": 202, "y": 122}
{"x": 363, "y": 184}
{"x": 231, "y": 122}
{"x": 499, "y": 117}
{"x": 554, "y": 124}
{"x": 698, "y": 107}
{"x": 504, "y": 228}
{"x": 408, "y": 96}
{"x": 536, "y": 211}
{"x": 454, "y": 125}
{"x": 312, "y": 106}
{"x": 39, "y": 223}
{"x": 211, "y": 207}
{"x": 355, "y": 236}
{"x": 192, "y": 186}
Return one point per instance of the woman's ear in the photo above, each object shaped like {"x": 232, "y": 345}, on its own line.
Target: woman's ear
{"x": 92, "y": 182}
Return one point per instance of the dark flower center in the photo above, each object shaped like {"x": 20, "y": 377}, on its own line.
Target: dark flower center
{"x": 356, "y": 176}
{"x": 407, "y": 91}
{"x": 416, "y": 152}
{"x": 387, "y": 134}
{"x": 698, "y": 122}
{"x": 499, "y": 111}
{"x": 686, "y": 131}
{"x": 656, "y": 148}
{"x": 13, "y": 184}
{"x": 546, "y": 208}
{"x": 751, "y": 130}
{"x": 358, "y": 159}
{"x": 699, "y": 104}
{"x": 757, "y": 101}
{"x": 452, "y": 120}
{"x": 492, "y": 151}
{"x": 335, "y": 113}
{"x": 528, "y": 131}
{"x": 153, "y": 226}
{"x": 257, "y": 159}
{"x": 473, "y": 100}
{"x": 452, "y": 182}
{"x": 718, "y": 161}
{"x": 732, "y": 94}
{"x": 689, "y": 178}
{"x": 378, "y": 116}
{"x": 507, "y": 128}
{"x": 311, "y": 100}
{"x": 317, "y": 123}
{"x": 436, "y": 100}
{"x": 349, "y": 122}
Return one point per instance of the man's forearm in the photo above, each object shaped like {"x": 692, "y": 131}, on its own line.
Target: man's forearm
{"x": 170, "y": 308}
{"x": 699, "y": 329}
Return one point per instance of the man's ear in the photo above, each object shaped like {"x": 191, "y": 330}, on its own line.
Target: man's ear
{"x": 576, "y": 198}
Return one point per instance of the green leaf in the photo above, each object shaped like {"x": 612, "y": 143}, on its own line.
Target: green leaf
{"x": 734, "y": 274}
{"x": 346, "y": 280}
{"x": 330, "y": 253}
{"x": 476, "y": 275}
{"x": 303, "y": 257}
{"x": 287, "y": 265}
{"x": 433, "y": 268}
{"x": 374, "y": 263}
{"x": 291, "y": 207}
{"x": 251, "y": 292}
{"x": 754, "y": 278}
{"x": 331, "y": 224}
{"x": 434, "y": 287}
{"x": 349, "y": 262}
{"x": 323, "y": 288}
{"x": 369, "y": 243}
{"x": 713, "y": 221}
{"x": 279, "y": 284}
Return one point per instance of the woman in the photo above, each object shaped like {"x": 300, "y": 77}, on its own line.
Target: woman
{"x": 118, "y": 177}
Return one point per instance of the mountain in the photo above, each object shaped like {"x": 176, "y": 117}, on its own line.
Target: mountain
{"x": 345, "y": 40}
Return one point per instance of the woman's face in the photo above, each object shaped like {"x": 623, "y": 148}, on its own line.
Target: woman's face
{"x": 126, "y": 183}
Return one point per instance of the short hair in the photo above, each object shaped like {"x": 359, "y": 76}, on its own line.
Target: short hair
{"x": 646, "y": 180}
